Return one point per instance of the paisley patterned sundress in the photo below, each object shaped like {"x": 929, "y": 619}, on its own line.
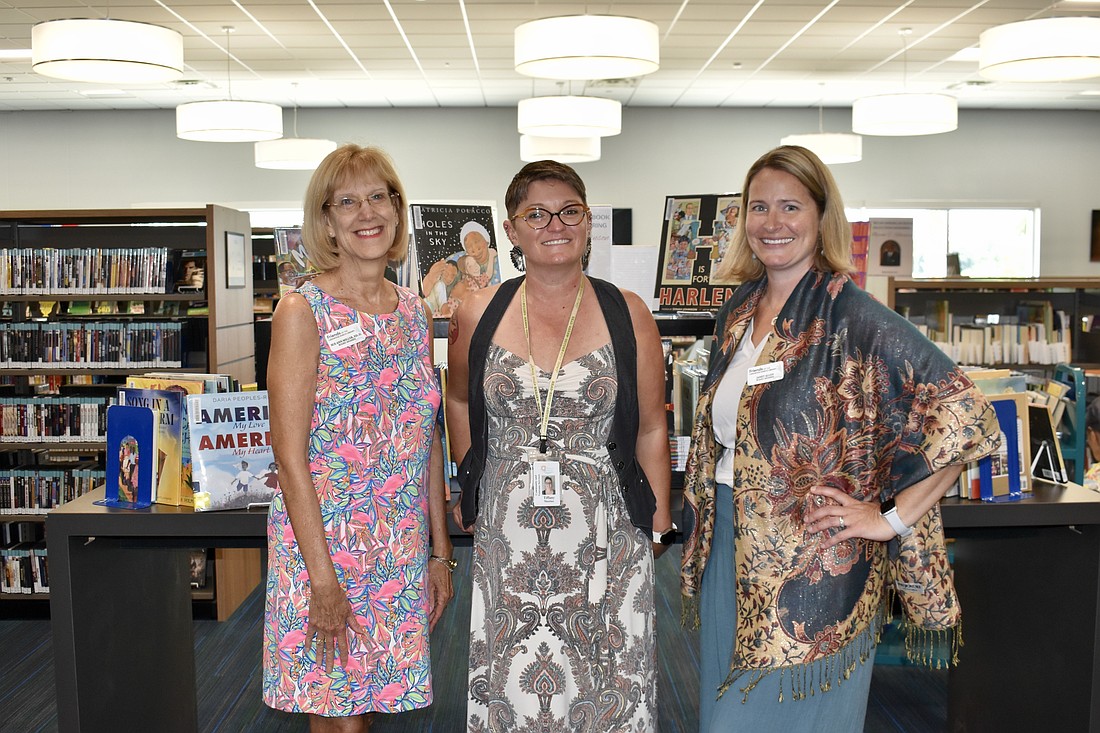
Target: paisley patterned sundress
{"x": 369, "y": 444}
{"x": 562, "y": 624}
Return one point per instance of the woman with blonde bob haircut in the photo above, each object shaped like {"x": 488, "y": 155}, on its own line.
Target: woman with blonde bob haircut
{"x": 834, "y": 233}
{"x": 359, "y": 557}
{"x": 349, "y": 162}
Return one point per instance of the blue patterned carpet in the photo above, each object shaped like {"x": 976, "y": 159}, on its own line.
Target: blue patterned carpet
{"x": 227, "y": 657}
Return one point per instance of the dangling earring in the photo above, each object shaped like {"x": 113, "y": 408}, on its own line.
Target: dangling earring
{"x": 516, "y": 255}
{"x": 587, "y": 254}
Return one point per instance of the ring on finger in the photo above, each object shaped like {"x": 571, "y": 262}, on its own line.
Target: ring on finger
{"x": 841, "y": 522}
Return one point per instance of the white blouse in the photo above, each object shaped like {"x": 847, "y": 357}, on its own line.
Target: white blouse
{"x": 727, "y": 398}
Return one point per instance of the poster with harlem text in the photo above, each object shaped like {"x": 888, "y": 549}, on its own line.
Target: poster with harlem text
{"x": 695, "y": 234}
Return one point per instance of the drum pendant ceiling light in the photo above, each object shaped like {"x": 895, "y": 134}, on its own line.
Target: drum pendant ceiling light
{"x": 905, "y": 113}
{"x": 105, "y": 51}
{"x": 833, "y": 148}
{"x": 561, "y": 149}
{"x": 582, "y": 47}
{"x": 292, "y": 153}
{"x": 570, "y": 117}
{"x": 229, "y": 120}
{"x": 1045, "y": 49}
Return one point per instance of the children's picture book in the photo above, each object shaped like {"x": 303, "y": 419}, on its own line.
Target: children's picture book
{"x": 292, "y": 264}
{"x": 131, "y": 457}
{"x": 695, "y": 234}
{"x": 168, "y": 407}
{"x": 185, "y": 386}
{"x": 233, "y": 466}
{"x": 453, "y": 252}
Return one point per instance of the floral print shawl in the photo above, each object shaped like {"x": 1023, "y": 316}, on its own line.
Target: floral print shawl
{"x": 867, "y": 406}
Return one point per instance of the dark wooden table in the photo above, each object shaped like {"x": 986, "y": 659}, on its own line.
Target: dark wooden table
{"x": 1028, "y": 578}
{"x": 1028, "y": 575}
{"x": 120, "y": 608}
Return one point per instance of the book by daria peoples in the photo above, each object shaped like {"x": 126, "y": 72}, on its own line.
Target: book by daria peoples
{"x": 168, "y": 406}
{"x": 131, "y": 457}
{"x": 233, "y": 466}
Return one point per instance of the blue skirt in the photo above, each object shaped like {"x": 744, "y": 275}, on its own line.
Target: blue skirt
{"x": 839, "y": 710}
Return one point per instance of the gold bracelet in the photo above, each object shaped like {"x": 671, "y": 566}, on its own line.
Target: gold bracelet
{"x": 451, "y": 563}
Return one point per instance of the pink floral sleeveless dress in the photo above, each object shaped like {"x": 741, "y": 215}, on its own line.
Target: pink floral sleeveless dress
{"x": 369, "y": 445}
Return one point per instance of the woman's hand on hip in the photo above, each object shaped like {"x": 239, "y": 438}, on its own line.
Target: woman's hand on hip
{"x": 844, "y": 517}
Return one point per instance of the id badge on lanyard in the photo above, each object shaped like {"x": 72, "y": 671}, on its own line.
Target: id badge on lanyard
{"x": 545, "y": 480}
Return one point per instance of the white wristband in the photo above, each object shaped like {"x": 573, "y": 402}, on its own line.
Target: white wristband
{"x": 890, "y": 512}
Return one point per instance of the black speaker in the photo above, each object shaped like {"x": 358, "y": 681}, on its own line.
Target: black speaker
{"x": 622, "y": 224}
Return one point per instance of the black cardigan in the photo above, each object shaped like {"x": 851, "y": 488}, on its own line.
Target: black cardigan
{"x": 622, "y": 440}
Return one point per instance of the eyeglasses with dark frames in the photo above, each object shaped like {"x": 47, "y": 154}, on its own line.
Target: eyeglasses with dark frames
{"x": 539, "y": 218}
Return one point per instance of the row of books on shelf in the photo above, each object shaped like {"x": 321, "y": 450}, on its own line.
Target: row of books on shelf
{"x": 1028, "y": 414}
{"x": 26, "y": 569}
{"x": 679, "y": 446}
{"x": 194, "y": 440}
{"x": 36, "y": 490}
{"x": 85, "y": 270}
{"x": 53, "y": 419}
{"x": 1003, "y": 344}
{"x": 89, "y": 309}
{"x": 23, "y": 558}
{"x": 92, "y": 345}
{"x": 1036, "y": 333}
{"x": 47, "y": 384}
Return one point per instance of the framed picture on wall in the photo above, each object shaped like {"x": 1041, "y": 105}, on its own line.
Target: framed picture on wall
{"x": 234, "y": 260}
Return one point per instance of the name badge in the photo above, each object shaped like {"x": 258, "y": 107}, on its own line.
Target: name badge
{"x": 765, "y": 373}
{"x": 546, "y": 483}
{"x": 345, "y": 337}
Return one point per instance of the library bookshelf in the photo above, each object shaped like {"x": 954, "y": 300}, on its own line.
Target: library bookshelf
{"x": 88, "y": 297}
{"x": 1068, "y": 304}
{"x": 967, "y": 299}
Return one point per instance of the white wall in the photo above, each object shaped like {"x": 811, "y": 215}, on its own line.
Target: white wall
{"x": 63, "y": 160}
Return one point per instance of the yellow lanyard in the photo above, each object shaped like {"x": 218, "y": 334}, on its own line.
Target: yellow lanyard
{"x": 545, "y": 410}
